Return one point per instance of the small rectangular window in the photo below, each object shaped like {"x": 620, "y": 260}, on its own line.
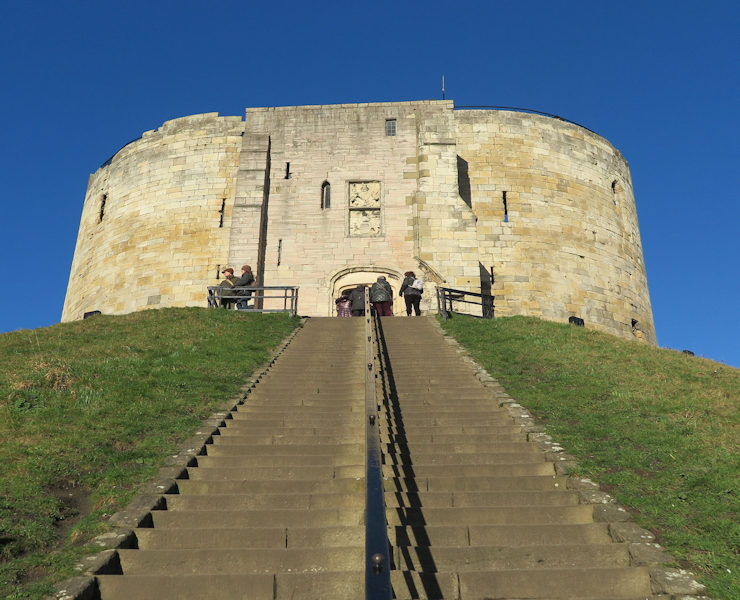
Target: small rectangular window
{"x": 390, "y": 127}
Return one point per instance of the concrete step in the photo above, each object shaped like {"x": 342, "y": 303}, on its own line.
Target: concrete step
{"x": 208, "y": 519}
{"x": 253, "y": 427}
{"x": 290, "y": 473}
{"x": 503, "y": 427}
{"x": 214, "y": 561}
{"x": 463, "y": 458}
{"x": 499, "y": 535}
{"x": 234, "y": 439}
{"x": 325, "y": 399}
{"x": 485, "y": 470}
{"x": 266, "y": 450}
{"x": 473, "y": 499}
{"x": 491, "y": 446}
{"x": 264, "y": 501}
{"x": 322, "y": 418}
{"x": 280, "y": 586}
{"x": 546, "y": 534}
{"x": 410, "y": 423}
{"x": 302, "y": 409}
{"x": 297, "y": 460}
{"x": 271, "y": 486}
{"x": 185, "y": 587}
{"x": 296, "y": 391}
{"x": 337, "y": 423}
{"x": 423, "y": 397}
{"x": 236, "y": 538}
{"x": 409, "y": 585}
{"x": 237, "y": 428}
{"x": 443, "y": 410}
{"x": 474, "y": 484}
{"x": 436, "y": 558}
{"x": 427, "y": 400}
{"x": 556, "y": 583}
{"x": 450, "y": 438}
{"x": 491, "y": 515}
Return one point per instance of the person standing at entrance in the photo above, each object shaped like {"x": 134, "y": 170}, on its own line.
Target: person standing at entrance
{"x": 344, "y": 305}
{"x": 358, "y": 301}
{"x": 381, "y": 297}
{"x": 411, "y": 293}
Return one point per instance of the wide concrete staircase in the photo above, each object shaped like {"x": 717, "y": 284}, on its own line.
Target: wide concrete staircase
{"x": 275, "y": 508}
{"x": 474, "y": 510}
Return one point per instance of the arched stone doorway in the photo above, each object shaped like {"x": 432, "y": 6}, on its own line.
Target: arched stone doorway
{"x": 351, "y": 277}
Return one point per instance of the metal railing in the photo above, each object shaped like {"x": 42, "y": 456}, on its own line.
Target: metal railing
{"x": 377, "y": 556}
{"x": 265, "y": 299}
{"x": 450, "y": 300}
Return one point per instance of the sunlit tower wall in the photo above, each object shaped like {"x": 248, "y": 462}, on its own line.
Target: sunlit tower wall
{"x": 534, "y": 209}
{"x": 156, "y": 219}
{"x": 556, "y": 221}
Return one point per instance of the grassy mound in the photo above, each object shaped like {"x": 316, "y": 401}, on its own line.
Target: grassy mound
{"x": 658, "y": 429}
{"x": 88, "y": 412}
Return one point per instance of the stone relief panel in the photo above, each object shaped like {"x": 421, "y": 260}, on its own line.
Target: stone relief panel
{"x": 364, "y": 223}
{"x": 364, "y": 209}
{"x": 364, "y": 194}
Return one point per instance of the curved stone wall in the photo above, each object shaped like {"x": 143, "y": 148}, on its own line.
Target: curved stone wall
{"x": 557, "y": 223}
{"x": 155, "y": 223}
{"x": 537, "y": 210}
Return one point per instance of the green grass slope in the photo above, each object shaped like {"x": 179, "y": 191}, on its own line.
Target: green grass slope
{"x": 88, "y": 412}
{"x": 658, "y": 429}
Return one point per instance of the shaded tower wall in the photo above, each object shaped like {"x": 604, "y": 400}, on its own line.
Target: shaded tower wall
{"x": 557, "y": 223}
{"x": 156, "y": 219}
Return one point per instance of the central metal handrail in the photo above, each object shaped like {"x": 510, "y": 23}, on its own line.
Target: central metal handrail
{"x": 377, "y": 555}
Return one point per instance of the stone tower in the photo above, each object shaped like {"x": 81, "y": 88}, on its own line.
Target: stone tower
{"x": 538, "y": 210}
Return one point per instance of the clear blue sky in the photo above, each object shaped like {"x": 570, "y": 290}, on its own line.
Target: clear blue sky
{"x": 660, "y": 80}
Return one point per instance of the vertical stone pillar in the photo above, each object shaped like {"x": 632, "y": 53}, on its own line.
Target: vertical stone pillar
{"x": 250, "y": 205}
{"x": 445, "y": 229}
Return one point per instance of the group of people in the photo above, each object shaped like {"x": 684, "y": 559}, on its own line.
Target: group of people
{"x": 352, "y": 302}
{"x": 232, "y": 281}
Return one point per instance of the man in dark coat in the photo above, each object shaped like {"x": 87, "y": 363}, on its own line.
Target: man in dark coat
{"x": 247, "y": 279}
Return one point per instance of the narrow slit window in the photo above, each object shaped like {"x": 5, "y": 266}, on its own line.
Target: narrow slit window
{"x": 390, "y": 127}
{"x": 280, "y": 252}
{"x": 103, "y": 200}
{"x": 506, "y": 210}
{"x": 223, "y": 209}
{"x": 326, "y": 195}
{"x": 616, "y": 192}
{"x": 287, "y": 170}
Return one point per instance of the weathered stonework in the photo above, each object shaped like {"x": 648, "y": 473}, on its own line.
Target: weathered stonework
{"x": 537, "y": 210}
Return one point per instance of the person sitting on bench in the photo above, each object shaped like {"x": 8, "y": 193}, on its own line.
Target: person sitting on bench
{"x": 247, "y": 279}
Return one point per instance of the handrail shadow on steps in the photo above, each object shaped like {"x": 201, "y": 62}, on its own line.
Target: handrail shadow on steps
{"x": 412, "y": 515}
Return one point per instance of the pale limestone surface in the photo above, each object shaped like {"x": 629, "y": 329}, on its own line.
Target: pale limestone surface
{"x": 159, "y": 241}
{"x": 320, "y": 197}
